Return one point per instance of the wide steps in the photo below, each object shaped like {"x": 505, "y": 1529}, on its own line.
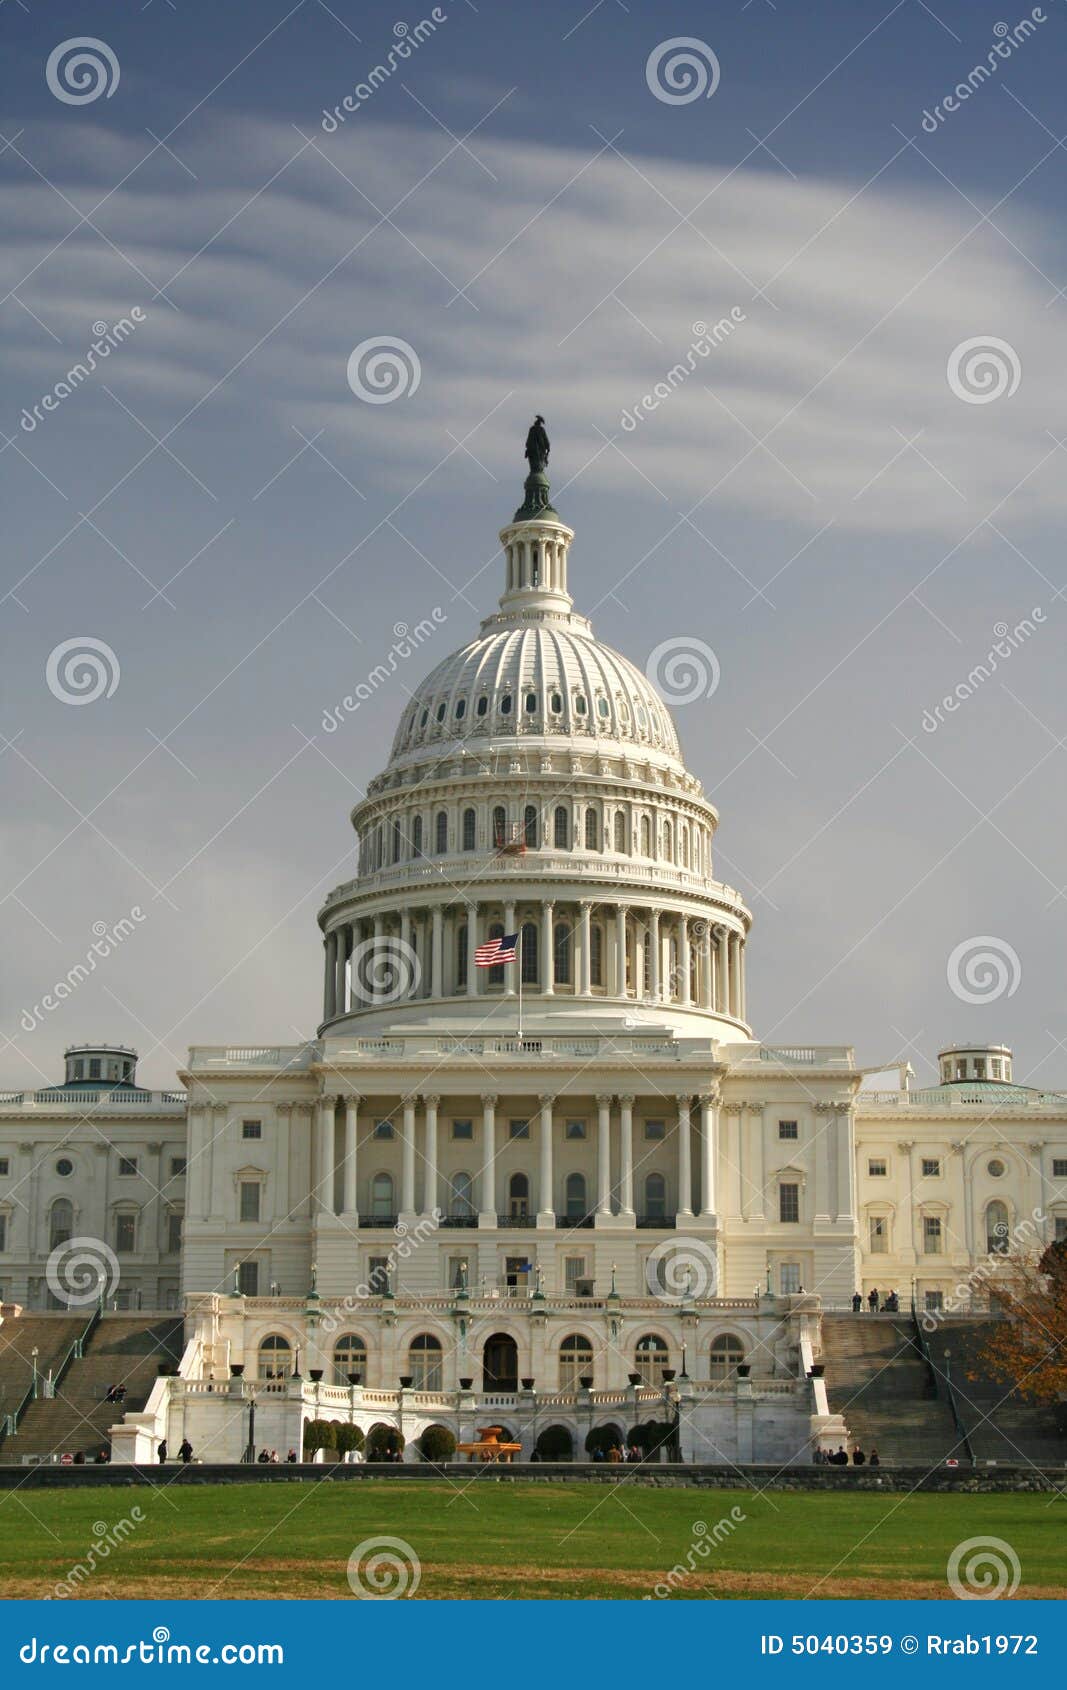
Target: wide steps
{"x": 878, "y": 1382}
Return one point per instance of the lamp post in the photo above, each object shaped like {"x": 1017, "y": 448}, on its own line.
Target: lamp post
{"x": 34, "y": 1353}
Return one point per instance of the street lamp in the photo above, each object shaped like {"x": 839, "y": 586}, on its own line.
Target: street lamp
{"x": 34, "y": 1353}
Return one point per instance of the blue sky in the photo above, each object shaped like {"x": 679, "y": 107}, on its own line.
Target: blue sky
{"x": 816, "y": 503}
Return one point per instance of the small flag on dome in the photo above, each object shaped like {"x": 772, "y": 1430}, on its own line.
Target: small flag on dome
{"x": 496, "y": 951}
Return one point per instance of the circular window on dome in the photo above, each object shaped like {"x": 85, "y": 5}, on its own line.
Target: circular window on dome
{"x": 424, "y": 718}
{"x": 995, "y": 1168}
{"x": 482, "y": 706}
{"x": 440, "y": 712}
{"x": 581, "y": 704}
{"x": 602, "y": 707}
{"x": 64, "y": 1167}
{"x": 505, "y": 704}
{"x": 531, "y": 703}
{"x": 556, "y": 704}
{"x": 461, "y": 709}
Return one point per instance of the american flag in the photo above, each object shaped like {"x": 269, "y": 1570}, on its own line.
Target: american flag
{"x": 496, "y": 951}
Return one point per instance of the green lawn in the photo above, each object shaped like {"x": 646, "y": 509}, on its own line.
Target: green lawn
{"x": 513, "y": 1540}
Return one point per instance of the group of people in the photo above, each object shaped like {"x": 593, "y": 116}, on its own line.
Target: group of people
{"x": 617, "y": 1454}
{"x": 839, "y": 1457}
{"x": 890, "y": 1302}
{"x": 185, "y": 1452}
{"x": 269, "y": 1457}
{"x": 100, "y": 1459}
{"x": 116, "y": 1393}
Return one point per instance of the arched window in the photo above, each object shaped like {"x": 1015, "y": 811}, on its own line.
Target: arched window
{"x": 646, "y": 837}
{"x": 726, "y": 1352}
{"x": 60, "y": 1222}
{"x": 574, "y": 1191}
{"x": 997, "y": 1227}
{"x": 529, "y": 827}
{"x": 651, "y": 1359}
{"x": 275, "y": 1357}
{"x": 561, "y": 828}
{"x": 528, "y": 963}
{"x": 416, "y": 837}
{"x": 468, "y": 830}
{"x": 592, "y": 831}
{"x": 461, "y": 1202}
{"x": 575, "y": 1361}
{"x": 496, "y": 973}
{"x": 562, "y": 958}
{"x": 684, "y": 840}
{"x": 500, "y": 828}
{"x": 655, "y": 1197}
{"x": 381, "y": 1196}
{"x": 674, "y": 989}
{"x": 424, "y": 1362}
{"x": 668, "y": 842}
{"x": 461, "y": 956}
{"x": 620, "y": 830}
{"x": 440, "y": 840}
{"x": 349, "y": 1356}
{"x": 596, "y": 955}
{"x": 518, "y": 1196}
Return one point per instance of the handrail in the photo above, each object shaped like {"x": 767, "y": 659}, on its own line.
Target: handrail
{"x": 937, "y": 1375}
{"x": 12, "y": 1420}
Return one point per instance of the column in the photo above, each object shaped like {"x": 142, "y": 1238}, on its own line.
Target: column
{"x": 548, "y": 960}
{"x": 196, "y": 1167}
{"x": 405, "y": 930}
{"x": 407, "y": 1162}
{"x": 487, "y": 1195}
{"x": 429, "y": 1188}
{"x": 546, "y": 1203}
{"x": 713, "y": 984}
{"x": 735, "y": 975}
{"x": 685, "y": 1164}
{"x": 586, "y": 953}
{"x": 350, "y": 1200}
{"x": 511, "y": 969}
{"x": 626, "y": 1155}
{"x": 653, "y": 987}
{"x": 620, "y": 950}
{"x": 603, "y": 1156}
{"x": 709, "y": 1148}
{"x": 724, "y": 971}
{"x": 329, "y": 1006}
{"x": 472, "y": 946}
{"x": 757, "y": 1201}
{"x": 741, "y": 1005}
{"x": 324, "y": 1157}
{"x": 823, "y": 1126}
{"x": 733, "y": 1161}
{"x": 437, "y": 957}
{"x": 341, "y": 996}
{"x": 684, "y": 993}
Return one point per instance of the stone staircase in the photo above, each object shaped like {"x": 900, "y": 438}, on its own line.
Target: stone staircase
{"x": 51, "y": 1335}
{"x": 1001, "y": 1426}
{"x": 878, "y": 1382}
{"x": 124, "y": 1349}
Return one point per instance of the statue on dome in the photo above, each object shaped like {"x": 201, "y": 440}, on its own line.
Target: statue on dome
{"x": 537, "y": 447}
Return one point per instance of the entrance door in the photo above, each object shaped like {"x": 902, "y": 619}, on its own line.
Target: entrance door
{"x": 500, "y": 1363}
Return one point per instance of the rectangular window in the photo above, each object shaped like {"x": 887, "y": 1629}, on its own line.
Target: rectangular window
{"x": 789, "y": 1202}
{"x": 931, "y": 1167}
{"x": 178, "y": 1165}
{"x": 94, "y": 1067}
{"x": 787, "y": 1129}
{"x": 3, "y": 1232}
{"x": 383, "y": 1129}
{"x": 879, "y": 1235}
{"x": 573, "y": 1271}
{"x": 248, "y": 1279}
{"x": 127, "y": 1167}
{"x": 125, "y": 1234}
{"x": 251, "y": 1129}
{"x": 249, "y": 1200}
{"x": 518, "y": 1129}
{"x": 1061, "y": 1228}
{"x": 174, "y": 1234}
{"x": 933, "y": 1301}
{"x": 458, "y": 1272}
{"x": 463, "y": 1130}
{"x": 5, "y": 1165}
{"x": 932, "y": 1235}
{"x": 574, "y": 1129}
{"x": 789, "y": 1278}
{"x": 378, "y": 1274}
{"x": 1059, "y": 1168}
{"x": 877, "y": 1167}
{"x": 655, "y": 1129}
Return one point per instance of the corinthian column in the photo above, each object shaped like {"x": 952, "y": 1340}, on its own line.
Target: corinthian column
{"x": 329, "y": 1006}
{"x": 603, "y": 1156}
{"x": 620, "y": 950}
{"x": 626, "y": 1155}
{"x": 407, "y": 1163}
{"x": 545, "y": 1198}
{"x": 429, "y": 1185}
{"x": 685, "y": 1163}
{"x": 487, "y": 1195}
{"x": 709, "y": 1150}
{"x": 548, "y": 959}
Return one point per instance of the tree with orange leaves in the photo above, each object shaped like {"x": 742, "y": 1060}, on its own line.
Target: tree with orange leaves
{"x": 1028, "y": 1348}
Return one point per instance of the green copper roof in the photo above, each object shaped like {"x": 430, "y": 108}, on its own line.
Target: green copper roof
{"x": 985, "y": 1092}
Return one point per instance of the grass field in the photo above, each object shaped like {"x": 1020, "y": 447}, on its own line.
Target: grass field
{"x": 514, "y": 1540}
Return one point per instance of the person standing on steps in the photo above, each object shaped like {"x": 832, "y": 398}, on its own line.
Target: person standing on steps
{"x": 185, "y": 1453}
{"x": 161, "y": 1452}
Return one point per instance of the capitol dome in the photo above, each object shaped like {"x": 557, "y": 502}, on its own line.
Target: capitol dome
{"x": 536, "y": 791}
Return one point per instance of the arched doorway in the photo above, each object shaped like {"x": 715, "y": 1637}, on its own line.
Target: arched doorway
{"x": 500, "y": 1363}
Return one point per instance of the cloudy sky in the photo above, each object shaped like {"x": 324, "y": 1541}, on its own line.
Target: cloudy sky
{"x": 847, "y": 499}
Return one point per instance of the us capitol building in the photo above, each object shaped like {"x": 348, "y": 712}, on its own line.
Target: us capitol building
{"x": 567, "y": 1191}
